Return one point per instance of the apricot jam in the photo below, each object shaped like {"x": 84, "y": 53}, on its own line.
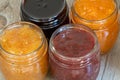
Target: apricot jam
{"x": 23, "y": 52}
{"x": 99, "y": 15}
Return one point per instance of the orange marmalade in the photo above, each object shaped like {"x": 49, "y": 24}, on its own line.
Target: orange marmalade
{"x": 99, "y": 15}
{"x": 23, "y": 52}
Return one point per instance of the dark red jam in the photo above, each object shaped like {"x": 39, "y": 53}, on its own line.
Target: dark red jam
{"x": 73, "y": 43}
{"x": 73, "y": 56}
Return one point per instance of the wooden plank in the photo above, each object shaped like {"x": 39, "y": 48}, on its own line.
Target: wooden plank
{"x": 112, "y": 68}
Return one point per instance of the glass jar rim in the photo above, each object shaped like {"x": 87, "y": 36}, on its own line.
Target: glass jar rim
{"x": 42, "y": 19}
{"x": 76, "y": 26}
{"x": 52, "y": 21}
{"x": 96, "y": 21}
{"x": 16, "y": 24}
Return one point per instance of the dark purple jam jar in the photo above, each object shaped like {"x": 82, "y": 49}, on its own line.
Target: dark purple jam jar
{"x": 47, "y": 14}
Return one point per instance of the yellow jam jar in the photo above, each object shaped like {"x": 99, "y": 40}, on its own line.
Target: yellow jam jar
{"x": 99, "y": 15}
{"x": 23, "y": 52}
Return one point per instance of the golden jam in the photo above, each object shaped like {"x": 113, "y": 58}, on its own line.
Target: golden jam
{"x": 24, "y": 49}
{"x": 99, "y": 15}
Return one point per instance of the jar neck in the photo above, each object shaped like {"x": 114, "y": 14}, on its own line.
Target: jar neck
{"x": 51, "y": 22}
{"x": 72, "y": 64}
{"x": 27, "y": 59}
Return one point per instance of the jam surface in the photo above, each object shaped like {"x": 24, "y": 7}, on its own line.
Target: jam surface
{"x": 43, "y": 9}
{"x": 21, "y": 40}
{"x": 94, "y": 9}
{"x": 74, "y": 43}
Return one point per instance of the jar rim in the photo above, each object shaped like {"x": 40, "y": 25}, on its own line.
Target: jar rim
{"x": 97, "y": 21}
{"x": 16, "y": 24}
{"x": 77, "y": 26}
{"x": 52, "y": 21}
{"x": 42, "y": 19}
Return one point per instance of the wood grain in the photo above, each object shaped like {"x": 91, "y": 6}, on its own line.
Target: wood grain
{"x": 110, "y": 63}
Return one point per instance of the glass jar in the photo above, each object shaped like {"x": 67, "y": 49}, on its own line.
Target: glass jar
{"x": 47, "y": 14}
{"x": 23, "y": 49}
{"x": 102, "y": 18}
{"x": 74, "y": 53}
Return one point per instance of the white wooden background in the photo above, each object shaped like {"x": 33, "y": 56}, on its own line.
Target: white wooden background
{"x": 110, "y": 63}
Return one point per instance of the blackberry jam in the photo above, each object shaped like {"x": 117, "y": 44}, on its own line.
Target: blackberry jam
{"x": 47, "y": 14}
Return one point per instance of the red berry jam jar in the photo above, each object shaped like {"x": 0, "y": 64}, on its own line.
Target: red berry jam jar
{"x": 47, "y": 14}
{"x": 74, "y": 53}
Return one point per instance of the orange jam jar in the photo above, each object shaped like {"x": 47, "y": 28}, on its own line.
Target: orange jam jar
{"x": 99, "y": 15}
{"x": 23, "y": 52}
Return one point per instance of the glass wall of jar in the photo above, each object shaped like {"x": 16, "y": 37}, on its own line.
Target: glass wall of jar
{"x": 47, "y": 14}
{"x": 99, "y": 15}
{"x": 74, "y": 53}
{"x": 23, "y": 49}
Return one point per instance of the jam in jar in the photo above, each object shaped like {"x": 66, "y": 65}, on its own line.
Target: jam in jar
{"x": 101, "y": 16}
{"x": 23, "y": 49}
{"x": 74, "y": 53}
{"x": 47, "y": 14}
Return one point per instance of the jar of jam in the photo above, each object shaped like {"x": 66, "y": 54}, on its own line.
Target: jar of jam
{"x": 47, "y": 14}
{"x": 99, "y": 15}
{"x": 23, "y": 49}
{"x": 74, "y": 53}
